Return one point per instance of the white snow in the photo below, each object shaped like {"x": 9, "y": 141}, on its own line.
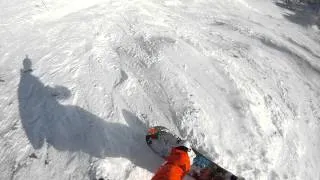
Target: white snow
{"x": 237, "y": 78}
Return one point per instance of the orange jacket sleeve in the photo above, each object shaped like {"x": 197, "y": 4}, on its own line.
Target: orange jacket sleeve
{"x": 176, "y": 166}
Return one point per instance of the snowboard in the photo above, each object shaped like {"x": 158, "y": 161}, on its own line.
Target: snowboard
{"x": 160, "y": 139}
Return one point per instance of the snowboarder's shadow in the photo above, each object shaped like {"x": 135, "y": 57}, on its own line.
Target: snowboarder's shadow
{"x": 72, "y": 128}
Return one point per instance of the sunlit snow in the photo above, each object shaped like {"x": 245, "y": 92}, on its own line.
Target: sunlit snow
{"x": 81, "y": 81}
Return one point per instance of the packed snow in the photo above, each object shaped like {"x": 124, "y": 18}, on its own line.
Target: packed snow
{"x": 81, "y": 81}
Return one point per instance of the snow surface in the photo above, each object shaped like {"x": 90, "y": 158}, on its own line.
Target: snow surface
{"x": 80, "y": 82}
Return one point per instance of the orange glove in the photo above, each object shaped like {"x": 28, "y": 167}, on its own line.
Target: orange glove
{"x": 176, "y": 166}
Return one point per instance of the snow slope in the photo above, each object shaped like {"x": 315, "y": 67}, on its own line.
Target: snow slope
{"x": 80, "y": 82}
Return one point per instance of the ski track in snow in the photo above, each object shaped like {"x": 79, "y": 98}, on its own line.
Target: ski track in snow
{"x": 82, "y": 80}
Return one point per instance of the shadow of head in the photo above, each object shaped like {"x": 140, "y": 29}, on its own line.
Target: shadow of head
{"x": 27, "y": 64}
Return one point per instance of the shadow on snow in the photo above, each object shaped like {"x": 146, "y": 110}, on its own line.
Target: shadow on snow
{"x": 72, "y": 128}
{"x": 304, "y": 14}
